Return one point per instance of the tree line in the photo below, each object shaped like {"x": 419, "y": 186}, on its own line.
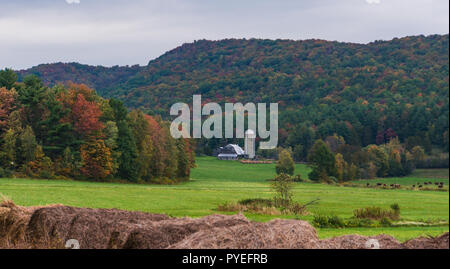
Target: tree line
{"x": 334, "y": 161}
{"x": 69, "y": 131}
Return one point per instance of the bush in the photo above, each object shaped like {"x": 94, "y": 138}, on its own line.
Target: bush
{"x": 298, "y": 178}
{"x": 322, "y": 221}
{"x": 378, "y": 213}
{"x": 256, "y": 201}
{"x": 357, "y": 223}
{"x": 258, "y": 206}
{"x": 386, "y": 222}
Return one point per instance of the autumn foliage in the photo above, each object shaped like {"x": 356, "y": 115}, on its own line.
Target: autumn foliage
{"x": 69, "y": 131}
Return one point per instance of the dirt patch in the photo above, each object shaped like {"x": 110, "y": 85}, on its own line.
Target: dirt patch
{"x": 52, "y": 226}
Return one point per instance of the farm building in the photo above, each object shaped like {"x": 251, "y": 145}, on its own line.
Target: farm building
{"x": 230, "y": 152}
{"x": 250, "y": 137}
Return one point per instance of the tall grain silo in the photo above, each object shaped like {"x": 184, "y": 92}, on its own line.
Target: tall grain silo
{"x": 250, "y": 137}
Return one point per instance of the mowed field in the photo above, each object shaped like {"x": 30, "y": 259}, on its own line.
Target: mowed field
{"x": 215, "y": 182}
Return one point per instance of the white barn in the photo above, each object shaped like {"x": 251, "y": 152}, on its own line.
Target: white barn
{"x": 230, "y": 152}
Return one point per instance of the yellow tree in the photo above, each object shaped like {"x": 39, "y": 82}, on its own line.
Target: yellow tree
{"x": 96, "y": 159}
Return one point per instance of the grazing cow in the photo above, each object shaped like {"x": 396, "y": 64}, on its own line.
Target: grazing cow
{"x": 420, "y": 186}
{"x": 430, "y": 183}
{"x": 414, "y": 186}
{"x": 368, "y": 184}
{"x": 425, "y": 183}
{"x": 440, "y": 186}
{"x": 379, "y": 184}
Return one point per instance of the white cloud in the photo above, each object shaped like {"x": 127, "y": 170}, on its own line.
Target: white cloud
{"x": 72, "y": 2}
{"x": 370, "y": 2}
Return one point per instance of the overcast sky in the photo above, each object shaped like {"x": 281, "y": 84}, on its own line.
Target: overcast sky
{"x": 121, "y": 32}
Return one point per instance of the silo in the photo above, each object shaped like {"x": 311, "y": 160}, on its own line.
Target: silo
{"x": 250, "y": 137}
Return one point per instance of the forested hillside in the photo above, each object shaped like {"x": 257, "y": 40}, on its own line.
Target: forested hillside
{"x": 97, "y": 77}
{"x": 366, "y": 93}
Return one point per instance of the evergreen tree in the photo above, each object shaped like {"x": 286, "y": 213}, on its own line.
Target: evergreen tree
{"x": 7, "y": 78}
{"x": 126, "y": 145}
{"x": 58, "y": 134}
{"x": 28, "y": 145}
{"x": 31, "y": 96}
{"x": 8, "y": 150}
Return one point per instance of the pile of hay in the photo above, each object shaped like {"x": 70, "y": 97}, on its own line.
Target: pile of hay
{"x": 280, "y": 234}
{"x": 440, "y": 242}
{"x": 52, "y": 226}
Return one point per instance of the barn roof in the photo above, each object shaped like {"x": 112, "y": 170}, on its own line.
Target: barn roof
{"x": 237, "y": 149}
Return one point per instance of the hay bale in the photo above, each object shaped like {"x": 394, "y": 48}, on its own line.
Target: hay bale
{"x": 439, "y": 242}
{"x": 168, "y": 232}
{"x": 13, "y": 223}
{"x": 51, "y": 226}
{"x": 93, "y": 228}
{"x": 276, "y": 234}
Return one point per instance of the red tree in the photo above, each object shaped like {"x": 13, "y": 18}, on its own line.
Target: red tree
{"x": 7, "y": 105}
{"x": 86, "y": 116}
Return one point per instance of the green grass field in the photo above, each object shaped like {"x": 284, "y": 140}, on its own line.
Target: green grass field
{"x": 216, "y": 182}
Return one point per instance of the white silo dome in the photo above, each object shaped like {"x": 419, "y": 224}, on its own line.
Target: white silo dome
{"x": 250, "y": 133}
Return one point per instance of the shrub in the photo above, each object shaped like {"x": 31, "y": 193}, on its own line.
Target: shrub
{"x": 283, "y": 185}
{"x": 322, "y": 221}
{"x": 386, "y": 222}
{"x": 356, "y": 223}
{"x": 298, "y": 178}
{"x": 256, "y": 201}
{"x": 396, "y": 210}
{"x": 378, "y": 213}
